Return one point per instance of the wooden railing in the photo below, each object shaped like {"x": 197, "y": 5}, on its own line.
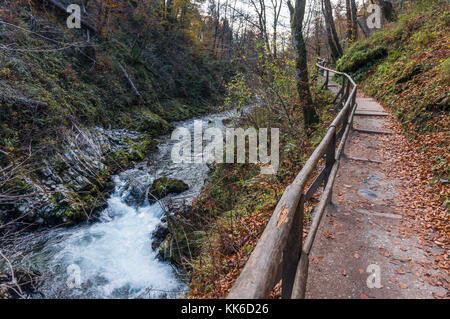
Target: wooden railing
{"x": 280, "y": 253}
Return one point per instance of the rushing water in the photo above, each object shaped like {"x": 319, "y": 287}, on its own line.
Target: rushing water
{"x": 113, "y": 257}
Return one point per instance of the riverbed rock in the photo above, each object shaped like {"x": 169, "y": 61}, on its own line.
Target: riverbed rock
{"x": 136, "y": 193}
{"x": 159, "y": 235}
{"x": 164, "y": 186}
{"x": 76, "y": 181}
{"x": 136, "y": 184}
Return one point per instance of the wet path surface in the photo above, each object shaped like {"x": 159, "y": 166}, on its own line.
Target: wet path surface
{"x": 361, "y": 234}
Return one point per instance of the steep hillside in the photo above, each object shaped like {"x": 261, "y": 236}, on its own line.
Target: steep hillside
{"x": 137, "y": 70}
{"x": 406, "y": 66}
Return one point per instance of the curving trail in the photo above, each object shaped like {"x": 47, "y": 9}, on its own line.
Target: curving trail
{"x": 362, "y": 226}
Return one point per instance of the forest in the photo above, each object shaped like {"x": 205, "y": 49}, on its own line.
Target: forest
{"x": 97, "y": 95}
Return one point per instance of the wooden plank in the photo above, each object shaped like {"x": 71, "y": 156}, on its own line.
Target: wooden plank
{"x": 387, "y": 215}
{"x": 372, "y": 131}
{"x": 371, "y": 114}
{"x": 363, "y": 159}
{"x": 319, "y": 179}
{"x": 330, "y": 157}
{"x": 341, "y": 132}
{"x": 338, "y": 95}
{"x": 299, "y": 289}
{"x": 291, "y": 253}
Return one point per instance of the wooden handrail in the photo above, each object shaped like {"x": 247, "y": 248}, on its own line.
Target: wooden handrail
{"x": 279, "y": 253}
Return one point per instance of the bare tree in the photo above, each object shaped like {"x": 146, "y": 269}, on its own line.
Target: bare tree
{"x": 276, "y": 6}
{"x": 260, "y": 9}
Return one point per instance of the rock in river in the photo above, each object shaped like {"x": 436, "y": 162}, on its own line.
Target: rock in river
{"x": 163, "y": 186}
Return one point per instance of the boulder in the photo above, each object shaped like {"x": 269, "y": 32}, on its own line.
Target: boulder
{"x": 163, "y": 186}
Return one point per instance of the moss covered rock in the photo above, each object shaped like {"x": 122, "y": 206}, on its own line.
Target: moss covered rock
{"x": 163, "y": 186}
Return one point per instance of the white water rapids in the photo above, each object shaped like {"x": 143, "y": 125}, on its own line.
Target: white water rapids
{"x": 114, "y": 256}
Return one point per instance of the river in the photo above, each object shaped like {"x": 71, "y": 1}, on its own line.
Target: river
{"x": 113, "y": 258}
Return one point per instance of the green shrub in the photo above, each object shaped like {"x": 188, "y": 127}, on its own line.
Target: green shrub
{"x": 357, "y": 58}
{"x": 444, "y": 71}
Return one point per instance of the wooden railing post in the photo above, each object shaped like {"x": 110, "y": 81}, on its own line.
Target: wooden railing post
{"x": 291, "y": 253}
{"x": 339, "y": 95}
{"x": 330, "y": 158}
{"x": 299, "y": 289}
{"x": 350, "y": 123}
{"x": 347, "y": 91}
{"x": 326, "y": 79}
{"x": 343, "y": 92}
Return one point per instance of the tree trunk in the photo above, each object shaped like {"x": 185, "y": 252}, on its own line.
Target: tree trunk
{"x": 362, "y": 27}
{"x": 388, "y": 10}
{"x": 354, "y": 19}
{"x": 333, "y": 40}
{"x": 301, "y": 67}
{"x": 349, "y": 26}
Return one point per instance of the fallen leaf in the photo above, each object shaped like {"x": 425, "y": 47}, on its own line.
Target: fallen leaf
{"x": 437, "y": 296}
{"x": 328, "y": 235}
